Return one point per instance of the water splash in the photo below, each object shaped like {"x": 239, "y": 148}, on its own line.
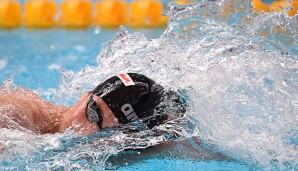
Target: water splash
{"x": 250, "y": 79}
{"x": 240, "y": 71}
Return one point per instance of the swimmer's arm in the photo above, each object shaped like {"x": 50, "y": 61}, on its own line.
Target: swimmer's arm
{"x": 28, "y": 110}
{"x": 12, "y": 118}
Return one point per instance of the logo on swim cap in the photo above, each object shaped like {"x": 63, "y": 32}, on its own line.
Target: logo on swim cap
{"x": 126, "y": 79}
{"x": 129, "y": 112}
{"x": 130, "y": 97}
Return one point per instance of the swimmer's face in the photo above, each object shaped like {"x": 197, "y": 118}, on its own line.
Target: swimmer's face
{"x": 76, "y": 118}
{"x": 109, "y": 119}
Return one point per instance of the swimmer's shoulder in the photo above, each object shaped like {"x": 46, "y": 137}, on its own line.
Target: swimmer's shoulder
{"x": 12, "y": 96}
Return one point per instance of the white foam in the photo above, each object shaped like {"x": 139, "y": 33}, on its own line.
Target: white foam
{"x": 242, "y": 86}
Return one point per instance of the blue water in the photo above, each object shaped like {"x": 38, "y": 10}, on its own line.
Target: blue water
{"x": 35, "y": 58}
{"x": 238, "y": 68}
{"x": 38, "y": 55}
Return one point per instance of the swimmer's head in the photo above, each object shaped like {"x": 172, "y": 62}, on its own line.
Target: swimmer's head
{"x": 131, "y": 97}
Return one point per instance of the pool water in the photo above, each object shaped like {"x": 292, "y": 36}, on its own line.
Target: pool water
{"x": 38, "y": 55}
{"x": 238, "y": 70}
{"x": 35, "y": 58}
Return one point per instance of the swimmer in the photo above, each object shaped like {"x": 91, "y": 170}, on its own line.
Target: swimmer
{"x": 122, "y": 99}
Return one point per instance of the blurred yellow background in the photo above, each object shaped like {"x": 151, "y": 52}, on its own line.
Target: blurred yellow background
{"x": 104, "y": 13}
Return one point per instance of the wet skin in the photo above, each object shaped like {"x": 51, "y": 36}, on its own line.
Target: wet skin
{"x": 24, "y": 109}
{"x": 75, "y": 118}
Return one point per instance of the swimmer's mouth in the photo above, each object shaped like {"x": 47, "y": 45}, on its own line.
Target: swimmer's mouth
{"x": 94, "y": 113}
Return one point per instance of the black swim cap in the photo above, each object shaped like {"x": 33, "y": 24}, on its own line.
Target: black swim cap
{"x": 130, "y": 96}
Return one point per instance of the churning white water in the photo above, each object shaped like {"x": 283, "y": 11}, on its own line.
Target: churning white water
{"x": 238, "y": 69}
